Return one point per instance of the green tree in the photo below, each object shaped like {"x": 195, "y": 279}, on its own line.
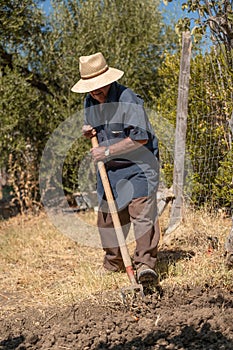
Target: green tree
{"x": 132, "y": 37}
{"x": 21, "y": 29}
{"x": 212, "y": 111}
{"x": 217, "y": 16}
{"x": 39, "y": 64}
{"x": 208, "y": 145}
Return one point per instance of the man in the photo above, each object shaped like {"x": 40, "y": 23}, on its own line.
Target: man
{"x": 115, "y": 114}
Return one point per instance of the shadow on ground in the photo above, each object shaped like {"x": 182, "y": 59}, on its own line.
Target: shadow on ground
{"x": 187, "y": 338}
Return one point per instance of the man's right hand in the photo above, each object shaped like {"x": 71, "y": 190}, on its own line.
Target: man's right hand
{"x": 88, "y": 131}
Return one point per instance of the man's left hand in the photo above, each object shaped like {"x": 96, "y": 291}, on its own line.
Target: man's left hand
{"x": 98, "y": 153}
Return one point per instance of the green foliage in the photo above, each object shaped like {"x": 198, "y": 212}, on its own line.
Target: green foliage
{"x": 132, "y": 37}
{"x": 25, "y": 127}
{"x": 223, "y": 183}
{"x": 210, "y": 109}
{"x": 20, "y": 20}
{"x": 39, "y": 62}
{"x": 209, "y": 148}
{"x": 165, "y": 104}
{"x": 72, "y": 180}
{"x": 210, "y": 103}
{"x": 217, "y": 16}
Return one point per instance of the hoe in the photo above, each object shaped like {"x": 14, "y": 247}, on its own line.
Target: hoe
{"x": 118, "y": 229}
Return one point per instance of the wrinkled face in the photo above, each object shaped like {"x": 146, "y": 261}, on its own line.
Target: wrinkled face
{"x": 100, "y": 94}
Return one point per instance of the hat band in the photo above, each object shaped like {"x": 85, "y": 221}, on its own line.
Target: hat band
{"x": 95, "y": 74}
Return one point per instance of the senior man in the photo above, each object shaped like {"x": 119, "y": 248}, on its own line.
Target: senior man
{"x": 129, "y": 148}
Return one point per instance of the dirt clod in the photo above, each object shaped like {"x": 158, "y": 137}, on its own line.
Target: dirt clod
{"x": 188, "y": 320}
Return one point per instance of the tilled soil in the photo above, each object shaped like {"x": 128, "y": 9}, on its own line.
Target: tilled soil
{"x": 176, "y": 319}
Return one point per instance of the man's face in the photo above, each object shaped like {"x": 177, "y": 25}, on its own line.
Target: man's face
{"x": 100, "y": 94}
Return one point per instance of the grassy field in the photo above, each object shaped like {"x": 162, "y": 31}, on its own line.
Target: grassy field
{"x": 41, "y": 266}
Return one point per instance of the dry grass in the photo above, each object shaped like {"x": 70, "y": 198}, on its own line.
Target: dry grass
{"x": 41, "y": 266}
{"x": 200, "y": 244}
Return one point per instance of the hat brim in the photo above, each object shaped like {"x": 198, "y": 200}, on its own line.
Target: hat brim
{"x": 87, "y": 85}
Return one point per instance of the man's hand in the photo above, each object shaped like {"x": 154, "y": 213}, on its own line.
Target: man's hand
{"x": 98, "y": 153}
{"x": 88, "y": 131}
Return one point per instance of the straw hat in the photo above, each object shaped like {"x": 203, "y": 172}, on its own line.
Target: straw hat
{"x": 95, "y": 73}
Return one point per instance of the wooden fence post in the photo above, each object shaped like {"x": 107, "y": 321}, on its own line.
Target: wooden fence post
{"x": 180, "y": 134}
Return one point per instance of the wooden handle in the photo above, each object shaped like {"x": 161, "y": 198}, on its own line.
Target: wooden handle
{"x": 115, "y": 218}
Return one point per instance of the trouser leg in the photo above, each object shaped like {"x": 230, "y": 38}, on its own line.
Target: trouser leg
{"x": 113, "y": 259}
{"x": 143, "y": 213}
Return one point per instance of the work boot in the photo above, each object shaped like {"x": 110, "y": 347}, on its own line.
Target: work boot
{"x": 146, "y": 275}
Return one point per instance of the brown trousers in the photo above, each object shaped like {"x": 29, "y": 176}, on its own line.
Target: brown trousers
{"x": 142, "y": 213}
